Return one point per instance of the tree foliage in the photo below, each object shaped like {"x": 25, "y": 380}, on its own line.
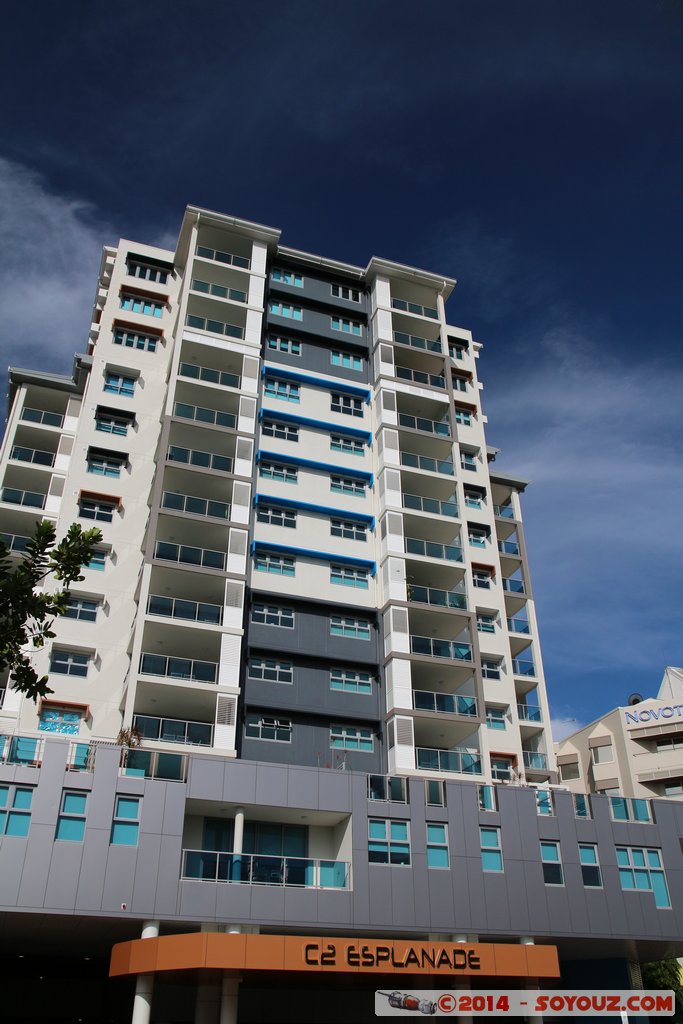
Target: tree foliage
{"x": 27, "y": 614}
{"x": 665, "y": 974}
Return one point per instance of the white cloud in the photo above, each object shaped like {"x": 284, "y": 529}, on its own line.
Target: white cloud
{"x": 563, "y": 727}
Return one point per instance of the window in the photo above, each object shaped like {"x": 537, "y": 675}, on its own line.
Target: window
{"x": 582, "y": 807}
{"x": 278, "y": 471}
{"x": 98, "y": 509}
{"x": 347, "y": 445}
{"x": 347, "y": 326}
{"x": 590, "y": 866}
{"x": 544, "y": 802}
{"x": 344, "y": 625}
{"x": 437, "y": 846}
{"x": 81, "y": 608}
{"x": 71, "y": 820}
{"x": 98, "y": 560}
{"x": 276, "y": 343}
{"x": 276, "y": 564}
{"x": 349, "y": 680}
{"x": 146, "y": 271}
{"x": 65, "y": 720}
{"x": 495, "y": 718}
{"x": 349, "y": 576}
{"x": 347, "y": 485}
{"x": 259, "y": 727}
{"x": 490, "y": 669}
{"x": 15, "y": 810}
{"x": 69, "y": 663}
{"x": 133, "y": 339}
{"x": 346, "y": 404}
{"x": 460, "y": 383}
{"x": 481, "y": 578}
{"x": 468, "y": 460}
{"x": 488, "y": 798}
{"x": 477, "y": 538}
{"x": 491, "y": 852}
{"x": 288, "y": 277}
{"x": 341, "y": 292}
{"x": 486, "y": 623}
{"x": 569, "y": 772}
{"x": 669, "y": 743}
{"x": 276, "y": 516}
{"x": 388, "y": 842}
{"x": 271, "y": 428}
{"x": 110, "y": 423}
{"x": 603, "y": 754}
{"x": 105, "y": 464}
{"x": 673, "y": 788}
{"x": 117, "y": 384}
{"x": 273, "y": 615}
{"x": 552, "y": 864}
{"x": 142, "y": 304}
{"x": 455, "y": 350}
{"x": 286, "y": 309}
{"x": 347, "y": 360}
{"x": 269, "y": 670}
{"x": 463, "y": 416}
{"x": 281, "y": 389}
{"x": 474, "y": 499}
{"x": 641, "y": 869}
{"x": 126, "y": 824}
{"x": 502, "y": 769}
{"x": 348, "y": 529}
{"x": 624, "y": 809}
{"x": 351, "y": 737}
{"x": 435, "y": 793}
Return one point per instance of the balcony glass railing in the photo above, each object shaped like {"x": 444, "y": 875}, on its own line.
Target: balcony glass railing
{"x": 523, "y": 667}
{"x": 259, "y": 869}
{"x": 205, "y": 460}
{"x": 179, "y": 668}
{"x": 529, "y": 713}
{"x": 445, "y": 703}
{"x": 218, "y": 290}
{"x": 214, "y": 326}
{"x": 42, "y": 416}
{"x": 210, "y": 416}
{"x": 535, "y": 760}
{"x": 154, "y": 764}
{"x": 466, "y": 762}
{"x": 441, "y": 428}
{"x": 228, "y": 258}
{"x": 425, "y": 344}
{"x": 33, "y": 455}
{"x": 32, "y": 499}
{"x": 188, "y": 555}
{"x": 196, "y": 506}
{"x": 419, "y": 377}
{"x": 415, "y": 307}
{"x": 25, "y": 750}
{"x": 190, "y": 611}
{"x": 508, "y": 547}
{"x": 14, "y": 542}
{"x": 174, "y": 730}
{"x": 519, "y": 626}
{"x": 431, "y": 505}
{"x": 208, "y": 374}
{"x": 452, "y": 649}
{"x": 513, "y": 586}
{"x": 432, "y": 549}
{"x": 411, "y": 461}
{"x": 389, "y": 788}
{"x": 440, "y": 598}
{"x": 504, "y": 511}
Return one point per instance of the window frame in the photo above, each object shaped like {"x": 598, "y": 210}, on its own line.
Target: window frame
{"x": 279, "y": 471}
{"x": 15, "y": 810}
{"x": 351, "y": 680}
{"x": 396, "y": 847}
{"x": 136, "y": 340}
{"x": 346, "y": 326}
{"x": 349, "y": 576}
{"x": 278, "y": 725}
{"x": 99, "y": 505}
{"x": 348, "y": 529}
{"x": 281, "y": 612}
{"x": 282, "y": 431}
{"x": 72, "y": 818}
{"x": 287, "y": 310}
{"x": 346, "y": 405}
{"x": 276, "y": 515}
{"x": 347, "y": 485}
{"x": 347, "y": 445}
{"x": 122, "y": 823}
{"x": 282, "y": 279}
{"x": 349, "y": 623}
{"x": 280, "y": 343}
{"x": 591, "y": 865}
{"x": 438, "y": 847}
{"x": 71, "y": 658}
{"x": 490, "y": 849}
{"x": 282, "y": 390}
{"x": 344, "y": 736}
{"x": 276, "y": 565}
{"x": 556, "y": 863}
{"x": 119, "y": 384}
{"x": 346, "y": 360}
{"x": 258, "y": 668}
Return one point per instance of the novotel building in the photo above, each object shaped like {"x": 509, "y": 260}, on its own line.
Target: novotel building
{"x": 296, "y": 746}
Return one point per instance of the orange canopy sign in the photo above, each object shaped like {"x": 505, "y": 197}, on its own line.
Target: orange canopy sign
{"x": 218, "y": 951}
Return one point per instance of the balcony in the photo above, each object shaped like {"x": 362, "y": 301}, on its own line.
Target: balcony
{"x": 210, "y": 416}
{"x": 508, "y": 547}
{"x": 32, "y": 455}
{"x": 529, "y": 713}
{"x": 513, "y": 586}
{"x": 430, "y": 648}
{"x": 174, "y": 730}
{"x": 203, "y": 323}
{"x": 218, "y": 291}
{"x": 22, "y": 750}
{"x": 535, "y": 761}
{"x": 433, "y": 506}
{"x": 42, "y": 417}
{"x": 504, "y": 511}
{"x": 415, "y": 307}
{"x": 184, "y": 669}
{"x": 441, "y": 428}
{"x": 464, "y": 762}
{"x": 257, "y": 869}
{"x": 204, "y": 460}
{"x": 14, "y": 542}
{"x": 522, "y": 667}
{"x": 431, "y": 549}
{"x": 420, "y": 377}
{"x": 424, "y": 462}
{"x": 189, "y": 611}
{"x": 188, "y": 555}
{"x": 444, "y": 703}
{"x": 424, "y": 344}
{"x": 228, "y": 258}
{"x": 519, "y": 626}
{"x": 209, "y": 375}
{"x": 31, "y": 499}
{"x": 195, "y": 506}
{"x": 438, "y": 598}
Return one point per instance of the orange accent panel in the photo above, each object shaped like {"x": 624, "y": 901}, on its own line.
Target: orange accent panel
{"x": 225, "y": 952}
{"x": 511, "y": 961}
{"x": 542, "y": 962}
{"x": 178, "y": 952}
{"x": 294, "y": 952}
{"x": 486, "y": 951}
{"x": 120, "y": 959}
{"x": 265, "y": 953}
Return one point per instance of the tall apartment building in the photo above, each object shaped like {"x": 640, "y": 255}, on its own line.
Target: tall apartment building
{"x": 312, "y": 608}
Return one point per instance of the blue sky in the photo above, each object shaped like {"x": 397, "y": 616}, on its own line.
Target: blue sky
{"x": 530, "y": 148}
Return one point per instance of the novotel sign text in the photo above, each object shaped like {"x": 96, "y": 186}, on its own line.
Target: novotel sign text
{"x": 653, "y": 714}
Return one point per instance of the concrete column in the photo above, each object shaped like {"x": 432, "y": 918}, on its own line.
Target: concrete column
{"x": 462, "y": 985}
{"x": 237, "y": 844}
{"x": 208, "y": 998}
{"x": 229, "y": 994}
{"x": 144, "y": 985}
{"x": 531, "y": 983}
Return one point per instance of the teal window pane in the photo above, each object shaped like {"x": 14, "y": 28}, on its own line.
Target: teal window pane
{"x": 4, "y": 790}
{"x": 643, "y": 880}
{"x": 653, "y": 859}
{"x": 491, "y": 860}
{"x": 377, "y": 830}
{"x": 3, "y": 819}
{"x": 661, "y": 892}
{"x": 626, "y": 879}
{"x": 127, "y": 807}
{"x": 619, "y": 808}
{"x": 399, "y": 830}
{"x": 587, "y": 855}
{"x": 489, "y": 837}
{"x": 22, "y": 799}
{"x": 74, "y": 803}
{"x": 17, "y": 824}
{"x": 437, "y": 857}
{"x": 622, "y": 857}
{"x": 71, "y": 829}
{"x": 638, "y": 858}
{"x": 124, "y": 834}
{"x": 550, "y": 853}
{"x": 641, "y": 810}
{"x": 436, "y": 833}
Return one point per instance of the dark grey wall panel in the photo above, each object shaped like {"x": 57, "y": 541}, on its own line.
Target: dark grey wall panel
{"x": 63, "y": 876}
